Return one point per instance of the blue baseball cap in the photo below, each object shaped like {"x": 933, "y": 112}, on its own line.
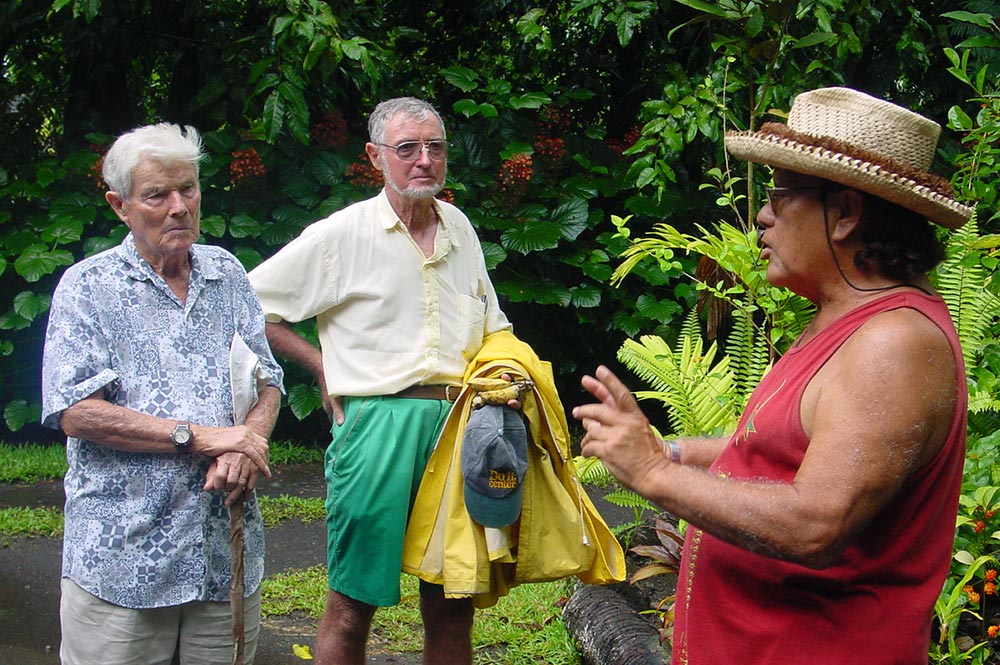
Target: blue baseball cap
{"x": 494, "y": 461}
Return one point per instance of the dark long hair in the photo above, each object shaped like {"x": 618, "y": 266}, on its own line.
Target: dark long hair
{"x": 898, "y": 243}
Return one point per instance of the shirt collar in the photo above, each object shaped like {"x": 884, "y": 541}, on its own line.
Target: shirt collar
{"x": 389, "y": 220}
{"x": 203, "y": 265}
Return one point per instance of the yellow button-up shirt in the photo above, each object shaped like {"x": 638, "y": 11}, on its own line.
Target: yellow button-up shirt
{"x": 388, "y": 316}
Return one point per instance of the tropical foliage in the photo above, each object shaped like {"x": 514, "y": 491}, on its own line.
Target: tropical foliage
{"x": 561, "y": 115}
{"x": 587, "y": 152}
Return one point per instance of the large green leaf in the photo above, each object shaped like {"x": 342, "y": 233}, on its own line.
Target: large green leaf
{"x": 462, "y": 78}
{"x": 532, "y": 236}
{"x": 75, "y": 206}
{"x": 213, "y": 225}
{"x": 296, "y": 111}
{"x": 571, "y": 218}
{"x": 63, "y": 231}
{"x": 274, "y": 115}
{"x": 37, "y": 261}
{"x": 587, "y": 295}
{"x": 18, "y": 413}
{"x": 529, "y": 100}
{"x": 494, "y": 254}
{"x": 304, "y": 399}
{"x": 30, "y": 304}
{"x": 244, "y": 226}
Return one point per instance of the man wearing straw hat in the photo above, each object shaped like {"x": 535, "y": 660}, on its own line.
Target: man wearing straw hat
{"x": 821, "y": 530}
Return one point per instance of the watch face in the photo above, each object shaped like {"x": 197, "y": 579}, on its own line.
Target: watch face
{"x": 181, "y": 435}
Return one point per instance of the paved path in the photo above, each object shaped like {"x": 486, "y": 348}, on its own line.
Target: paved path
{"x": 30, "y": 571}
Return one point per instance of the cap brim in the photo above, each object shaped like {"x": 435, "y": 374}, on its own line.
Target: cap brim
{"x": 781, "y": 152}
{"x": 494, "y": 512}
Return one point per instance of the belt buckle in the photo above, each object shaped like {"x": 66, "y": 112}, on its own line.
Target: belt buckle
{"x": 447, "y": 392}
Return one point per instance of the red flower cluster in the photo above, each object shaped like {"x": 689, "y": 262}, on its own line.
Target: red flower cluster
{"x": 515, "y": 172}
{"x": 446, "y": 195}
{"x": 558, "y": 118}
{"x": 363, "y": 174}
{"x": 992, "y": 631}
{"x": 245, "y": 164}
{"x": 548, "y": 143}
{"x": 621, "y": 144}
{"x": 97, "y": 172}
{"x": 551, "y": 148}
{"x": 331, "y": 132}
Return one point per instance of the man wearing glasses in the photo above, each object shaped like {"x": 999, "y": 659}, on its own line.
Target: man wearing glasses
{"x": 402, "y": 300}
{"x": 821, "y": 530}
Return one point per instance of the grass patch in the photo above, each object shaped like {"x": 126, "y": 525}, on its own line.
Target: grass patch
{"x": 524, "y": 628}
{"x": 31, "y": 463}
{"x": 276, "y": 509}
{"x": 20, "y": 521}
{"x": 286, "y": 452}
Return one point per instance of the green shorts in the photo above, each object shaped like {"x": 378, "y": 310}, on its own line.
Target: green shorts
{"x": 373, "y": 468}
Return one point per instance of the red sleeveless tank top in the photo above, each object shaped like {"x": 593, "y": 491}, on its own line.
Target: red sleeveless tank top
{"x": 872, "y": 607}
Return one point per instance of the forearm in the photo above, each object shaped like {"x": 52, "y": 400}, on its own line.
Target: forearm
{"x": 121, "y": 428}
{"x": 264, "y": 413}
{"x": 700, "y": 453}
{"x": 117, "y": 427}
{"x": 288, "y": 344}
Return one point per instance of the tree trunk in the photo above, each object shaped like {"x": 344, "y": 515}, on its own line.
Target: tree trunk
{"x": 609, "y": 631}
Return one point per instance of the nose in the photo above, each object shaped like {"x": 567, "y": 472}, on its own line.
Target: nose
{"x": 424, "y": 155}
{"x": 178, "y": 206}
{"x": 765, "y": 216}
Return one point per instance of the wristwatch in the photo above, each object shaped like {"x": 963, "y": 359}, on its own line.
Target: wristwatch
{"x": 181, "y": 437}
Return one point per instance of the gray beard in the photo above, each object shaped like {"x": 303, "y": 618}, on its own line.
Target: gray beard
{"x": 414, "y": 192}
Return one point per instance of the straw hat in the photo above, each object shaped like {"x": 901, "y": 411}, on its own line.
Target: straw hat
{"x": 857, "y": 140}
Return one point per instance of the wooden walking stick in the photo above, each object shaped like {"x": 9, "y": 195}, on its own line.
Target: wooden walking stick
{"x": 237, "y": 579}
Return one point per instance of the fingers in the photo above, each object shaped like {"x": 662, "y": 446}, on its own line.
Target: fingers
{"x": 337, "y": 410}
{"x": 234, "y": 474}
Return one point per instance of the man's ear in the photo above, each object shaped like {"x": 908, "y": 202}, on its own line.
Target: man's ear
{"x": 117, "y": 204}
{"x": 372, "y": 151}
{"x": 844, "y": 208}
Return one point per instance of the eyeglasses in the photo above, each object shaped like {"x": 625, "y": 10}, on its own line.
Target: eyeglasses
{"x": 776, "y": 194}
{"x": 409, "y": 151}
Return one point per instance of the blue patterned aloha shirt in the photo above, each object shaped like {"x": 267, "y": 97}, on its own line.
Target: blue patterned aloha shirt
{"x": 140, "y": 532}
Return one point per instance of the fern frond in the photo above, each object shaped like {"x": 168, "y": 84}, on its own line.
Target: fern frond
{"x": 696, "y": 389}
{"x": 591, "y": 470}
{"x": 960, "y": 279}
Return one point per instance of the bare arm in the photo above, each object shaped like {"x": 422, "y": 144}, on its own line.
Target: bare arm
{"x": 701, "y": 452}
{"x": 900, "y": 410}
{"x": 120, "y": 428}
{"x": 287, "y": 343}
{"x": 235, "y": 473}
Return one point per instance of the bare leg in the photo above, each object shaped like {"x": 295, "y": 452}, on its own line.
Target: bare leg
{"x": 447, "y": 627}
{"x": 343, "y": 631}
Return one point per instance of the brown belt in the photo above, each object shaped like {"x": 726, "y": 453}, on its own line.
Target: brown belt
{"x": 449, "y": 393}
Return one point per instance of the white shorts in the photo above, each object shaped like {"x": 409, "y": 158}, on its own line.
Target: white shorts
{"x": 95, "y": 632}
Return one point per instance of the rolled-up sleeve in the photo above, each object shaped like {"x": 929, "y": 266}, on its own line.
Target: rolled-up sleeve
{"x": 76, "y": 359}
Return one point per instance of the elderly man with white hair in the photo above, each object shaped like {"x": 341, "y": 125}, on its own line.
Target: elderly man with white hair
{"x": 137, "y": 374}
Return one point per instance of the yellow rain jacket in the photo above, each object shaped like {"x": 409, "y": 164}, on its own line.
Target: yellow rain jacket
{"x": 560, "y": 533}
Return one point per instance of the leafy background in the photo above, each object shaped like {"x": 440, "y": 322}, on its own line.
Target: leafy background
{"x": 563, "y": 115}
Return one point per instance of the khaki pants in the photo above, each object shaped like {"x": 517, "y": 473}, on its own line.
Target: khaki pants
{"x": 95, "y": 632}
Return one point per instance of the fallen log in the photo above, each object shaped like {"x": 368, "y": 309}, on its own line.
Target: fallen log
{"x": 608, "y": 631}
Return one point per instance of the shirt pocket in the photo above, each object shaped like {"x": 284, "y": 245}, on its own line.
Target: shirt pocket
{"x": 471, "y": 317}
